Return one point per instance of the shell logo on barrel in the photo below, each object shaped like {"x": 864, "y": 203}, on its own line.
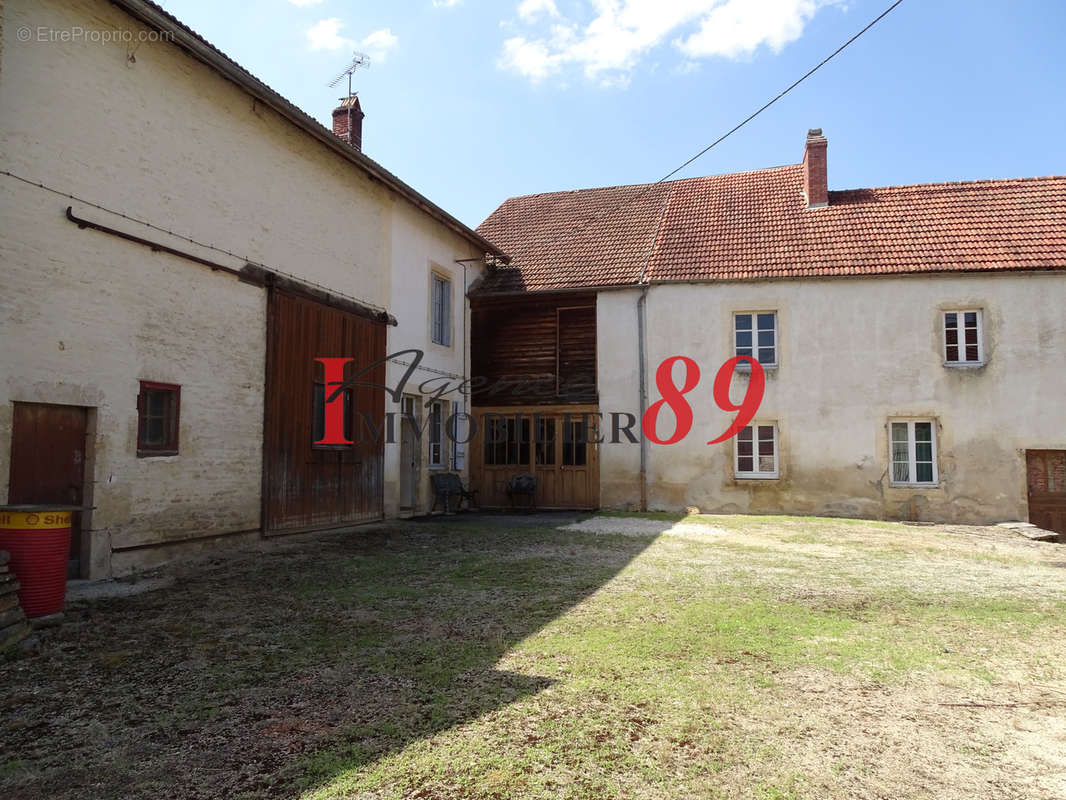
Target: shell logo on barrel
{"x": 23, "y": 521}
{"x": 39, "y": 544}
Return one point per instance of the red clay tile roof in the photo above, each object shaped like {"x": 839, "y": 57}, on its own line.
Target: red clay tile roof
{"x": 589, "y": 237}
{"x": 755, "y": 225}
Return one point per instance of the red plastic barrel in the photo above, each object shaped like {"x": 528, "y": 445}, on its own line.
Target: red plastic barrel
{"x": 39, "y": 544}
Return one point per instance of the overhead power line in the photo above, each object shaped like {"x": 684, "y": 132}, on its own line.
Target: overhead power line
{"x": 190, "y": 240}
{"x": 808, "y": 74}
{"x": 742, "y": 123}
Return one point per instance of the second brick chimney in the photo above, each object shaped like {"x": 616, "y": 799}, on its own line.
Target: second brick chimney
{"x": 815, "y": 177}
{"x": 348, "y": 121}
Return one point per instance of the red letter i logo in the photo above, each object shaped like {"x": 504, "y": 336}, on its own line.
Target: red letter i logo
{"x": 334, "y": 401}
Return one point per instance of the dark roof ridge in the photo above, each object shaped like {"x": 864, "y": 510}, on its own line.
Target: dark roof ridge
{"x": 185, "y": 38}
{"x": 890, "y": 187}
{"x": 952, "y": 184}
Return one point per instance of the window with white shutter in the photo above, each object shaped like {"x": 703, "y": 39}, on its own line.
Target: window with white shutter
{"x": 441, "y": 315}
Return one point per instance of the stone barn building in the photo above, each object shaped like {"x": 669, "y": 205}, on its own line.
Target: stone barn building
{"x": 180, "y": 244}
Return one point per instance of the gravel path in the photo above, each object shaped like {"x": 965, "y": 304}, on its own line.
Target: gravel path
{"x": 635, "y": 526}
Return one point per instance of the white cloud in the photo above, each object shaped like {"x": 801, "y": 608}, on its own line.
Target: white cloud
{"x": 325, "y": 35}
{"x": 445, "y": 3}
{"x": 306, "y": 2}
{"x": 529, "y": 10}
{"x": 531, "y": 59}
{"x": 738, "y": 27}
{"x": 608, "y": 43}
{"x": 379, "y": 44}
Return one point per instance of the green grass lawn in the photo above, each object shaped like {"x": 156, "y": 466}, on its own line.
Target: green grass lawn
{"x": 731, "y": 657}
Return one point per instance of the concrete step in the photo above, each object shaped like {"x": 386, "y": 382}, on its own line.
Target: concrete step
{"x": 1031, "y": 531}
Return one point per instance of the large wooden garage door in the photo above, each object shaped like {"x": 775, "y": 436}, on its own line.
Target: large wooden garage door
{"x": 1046, "y": 470}
{"x": 307, "y": 486}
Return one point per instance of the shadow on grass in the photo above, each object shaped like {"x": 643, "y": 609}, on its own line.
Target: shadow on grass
{"x": 271, "y": 675}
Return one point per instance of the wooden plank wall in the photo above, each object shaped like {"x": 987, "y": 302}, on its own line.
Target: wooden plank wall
{"x": 308, "y": 487}
{"x": 547, "y": 343}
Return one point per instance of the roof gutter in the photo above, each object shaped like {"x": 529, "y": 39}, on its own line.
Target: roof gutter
{"x": 155, "y": 17}
{"x": 479, "y": 294}
{"x": 637, "y": 285}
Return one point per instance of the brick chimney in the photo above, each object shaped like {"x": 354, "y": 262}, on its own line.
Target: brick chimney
{"x": 348, "y": 122}
{"x": 815, "y": 177}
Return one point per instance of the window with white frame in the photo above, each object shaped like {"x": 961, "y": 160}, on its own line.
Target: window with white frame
{"x": 456, "y": 432}
{"x": 756, "y": 336}
{"x": 755, "y": 452}
{"x": 438, "y": 442}
{"x": 962, "y": 337}
{"x": 913, "y": 452}
{"x": 441, "y": 311}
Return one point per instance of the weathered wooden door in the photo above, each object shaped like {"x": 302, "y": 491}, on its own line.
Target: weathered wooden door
{"x": 410, "y": 453}
{"x": 308, "y": 485}
{"x": 1046, "y": 471}
{"x": 48, "y": 461}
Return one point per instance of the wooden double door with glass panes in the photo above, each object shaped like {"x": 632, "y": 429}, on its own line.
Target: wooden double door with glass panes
{"x": 555, "y": 443}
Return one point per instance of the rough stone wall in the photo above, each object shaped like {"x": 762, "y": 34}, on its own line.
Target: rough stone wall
{"x": 148, "y": 132}
{"x": 84, "y": 318}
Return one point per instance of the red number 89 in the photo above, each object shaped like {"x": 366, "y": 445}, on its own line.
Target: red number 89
{"x": 752, "y": 397}
{"x": 675, "y": 397}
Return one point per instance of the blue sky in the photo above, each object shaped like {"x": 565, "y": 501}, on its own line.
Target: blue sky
{"x": 473, "y": 101}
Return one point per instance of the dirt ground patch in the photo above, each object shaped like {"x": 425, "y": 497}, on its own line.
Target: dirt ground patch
{"x": 776, "y": 658}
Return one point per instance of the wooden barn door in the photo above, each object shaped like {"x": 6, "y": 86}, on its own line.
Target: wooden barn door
{"x": 1046, "y": 471}
{"x": 308, "y": 486}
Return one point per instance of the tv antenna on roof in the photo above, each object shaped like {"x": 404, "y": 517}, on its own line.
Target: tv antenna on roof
{"x": 358, "y": 60}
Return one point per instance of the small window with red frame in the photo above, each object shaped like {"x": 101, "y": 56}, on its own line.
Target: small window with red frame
{"x": 158, "y": 406}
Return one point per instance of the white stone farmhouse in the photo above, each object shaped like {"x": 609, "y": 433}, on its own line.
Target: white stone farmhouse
{"x": 913, "y": 340}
